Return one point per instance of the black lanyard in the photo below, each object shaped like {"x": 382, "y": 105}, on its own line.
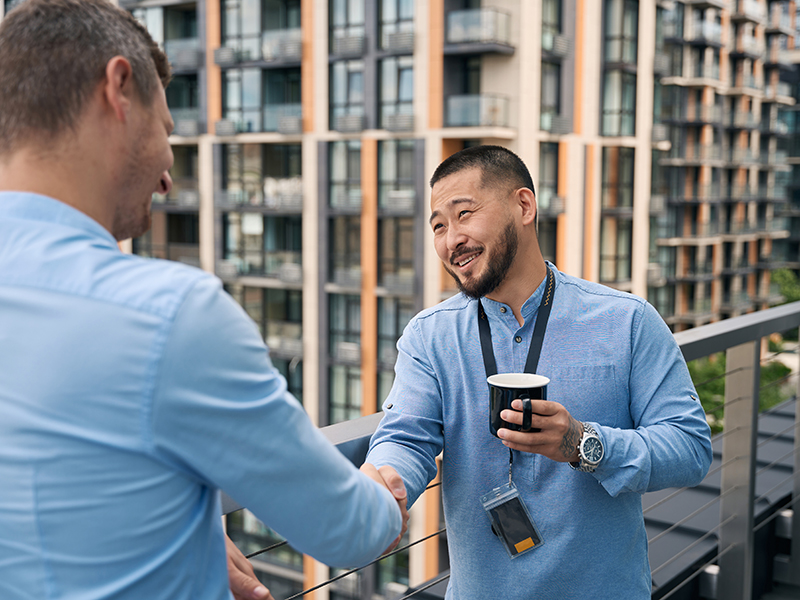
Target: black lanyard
{"x": 537, "y": 340}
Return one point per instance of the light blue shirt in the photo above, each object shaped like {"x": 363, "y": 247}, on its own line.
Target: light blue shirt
{"x": 131, "y": 390}
{"x": 612, "y": 362}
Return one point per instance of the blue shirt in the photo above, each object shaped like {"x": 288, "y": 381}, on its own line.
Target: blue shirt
{"x": 131, "y": 390}
{"x": 612, "y": 362}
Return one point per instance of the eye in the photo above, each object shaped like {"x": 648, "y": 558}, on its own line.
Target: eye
{"x": 462, "y": 213}
{"x": 437, "y": 226}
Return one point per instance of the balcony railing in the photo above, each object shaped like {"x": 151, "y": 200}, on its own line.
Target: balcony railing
{"x": 477, "y": 110}
{"x": 280, "y": 118}
{"x": 780, "y": 89}
{"x": 284, "y": 337}
{"x": 187, "y": 121}
{"x": 704, "y": 538}
{"x": 749, "y": 9}
{"x": 275, "y": 45}
{"x": 708, "y": 31}
{"x": 479, "y": 26}
{"x": 184, "y": 192}
{"x": 184, "y": 53}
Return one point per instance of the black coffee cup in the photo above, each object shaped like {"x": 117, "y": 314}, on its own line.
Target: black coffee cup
{"x": 507, "y": 387}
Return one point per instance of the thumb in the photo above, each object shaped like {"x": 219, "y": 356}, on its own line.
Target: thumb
{"x": 394, "y": 482}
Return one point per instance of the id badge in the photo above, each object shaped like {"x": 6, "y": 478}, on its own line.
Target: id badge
{"x": 511, "y": 521}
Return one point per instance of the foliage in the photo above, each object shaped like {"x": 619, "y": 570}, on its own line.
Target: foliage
{"x": 708, "y": 375}
{"x": 788, "y": 283}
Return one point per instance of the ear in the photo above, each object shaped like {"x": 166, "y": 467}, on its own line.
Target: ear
{"x": 527, "y": 203}
{"x": 118, "y": 87}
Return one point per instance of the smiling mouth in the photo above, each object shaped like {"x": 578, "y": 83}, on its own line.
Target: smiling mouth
{"x": 465, "y": 261}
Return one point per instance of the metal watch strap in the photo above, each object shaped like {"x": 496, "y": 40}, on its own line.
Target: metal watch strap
{"x": 582, "y": 465}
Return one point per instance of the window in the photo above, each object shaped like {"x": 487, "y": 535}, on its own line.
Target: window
{"x": 172, "y": 237}
{"x": 180, "y": 23}
{"x": 263, "y": 174}
{"x": 396, "y": 253}
{"x": 9, "y": 4}
{"x": 621, "y": 28}
{"x": 548, "y": 175}
{"x": 278, "y": 314}
{"x": 345, "y": 174}
{"x": 241, "y": 27}
{"x": 393, "y": 316}
{"x": 182, "y": 94}
{"x": 346, "y": 21}
{"x": 617, "y": 177}
{"x": 262, "y": 245}
{"x": 397, "y": 16}
{"x": 615, "y": 249}
{"x": 396, "y": 175}
{"x": 347, "y": 89}
{"x": 547, "y": 234}
{"x": 345, "y": 344}
{"x": 619, "y": 103}
{"x": 345, "y": 250}
{"x": 241, "y": 98}
{"x": 292, "y": 371}
{"x": 551, "y": 94}
{"x": 397, "y": 87}
{"x": 281, "y": 95}
{"x": 280, "y": 14}
{"x": 551, "y": 22}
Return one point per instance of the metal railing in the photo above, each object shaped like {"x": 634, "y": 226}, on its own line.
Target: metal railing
{"x": 731, "y": 537}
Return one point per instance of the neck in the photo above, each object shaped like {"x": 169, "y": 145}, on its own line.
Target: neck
{"x": 522, "y": 280}
{"x": 60, "y": 175}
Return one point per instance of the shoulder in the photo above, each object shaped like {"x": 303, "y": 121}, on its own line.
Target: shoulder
{"x": 597, "y": 294}
{"x": 448, "y": 312}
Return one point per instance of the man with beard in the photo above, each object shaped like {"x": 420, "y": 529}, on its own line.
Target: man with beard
{"x": 132, "y": 390}
{"x": 621, "y": 417}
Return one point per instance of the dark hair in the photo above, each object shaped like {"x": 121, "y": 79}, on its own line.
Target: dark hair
{"x": 53, "y": 53}
{"x": 499, "y": 166}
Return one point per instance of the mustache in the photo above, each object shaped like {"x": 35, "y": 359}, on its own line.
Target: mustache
{"x": 458, "y": 254}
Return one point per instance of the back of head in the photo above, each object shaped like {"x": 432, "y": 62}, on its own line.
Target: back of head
{"x": 53, "y": 54}
{"x": 499, "y": 167}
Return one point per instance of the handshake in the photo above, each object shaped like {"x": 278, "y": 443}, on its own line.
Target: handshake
{"x": 242, "y": 578}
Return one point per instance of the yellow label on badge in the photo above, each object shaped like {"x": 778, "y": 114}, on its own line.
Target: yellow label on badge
{"x": 524, "y": 545}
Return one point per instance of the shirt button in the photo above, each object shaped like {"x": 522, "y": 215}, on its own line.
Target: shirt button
{"x": 518, "y": 339}
{"x": 503, "y": 309}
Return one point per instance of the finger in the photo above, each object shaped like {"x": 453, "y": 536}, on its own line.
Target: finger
{"x": 394, "y": 482}
{"x": 241, "y": 577}
{"x": 511, "y": 416}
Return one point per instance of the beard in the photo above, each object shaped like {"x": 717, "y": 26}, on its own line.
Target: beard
{"x": 499, "y": 262}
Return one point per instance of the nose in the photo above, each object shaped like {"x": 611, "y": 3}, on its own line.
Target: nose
{"x": 164, "y": 184}
{"x": 455, "y": 238}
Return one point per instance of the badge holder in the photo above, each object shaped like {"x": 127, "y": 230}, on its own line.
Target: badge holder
{"x": 510, "y": 519}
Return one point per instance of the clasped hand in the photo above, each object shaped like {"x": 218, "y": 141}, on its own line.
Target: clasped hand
{"x": 559, "y": 433}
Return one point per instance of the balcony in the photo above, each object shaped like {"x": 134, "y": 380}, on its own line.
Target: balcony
{"x": 740, "y": 120}
{"x": 779, "y": 22}
{"x": 662, "y": 64}
{"x": 187, "y": 121}
{"x": 742, "y": 156}
{"x": 478, "y": 30}
{"x": 700, "y": 154}
{"x": 477, "y": 110}
{"x": 707, "y": 32}
{"x": 749, "y": 46}
{"x": 736, "y": 301}
{"x": 184, "y": 194}
{"x": 348, "y": 46}
{"x": 402, "y": 201}
{"x": 284, "y": 338}
{"x": 282, "y": 46}
{"x": 279, "y": 194}
{"x": 660, "y": 133}
{"x": 781, "y": 90}
{"x": 345, "y": 198}
{"x": 556, "y": 45}
{"x": 549, "y": 204}
{"x": 748, "y": 10}
{"x": 349, "y": 123}
{"x": 184, "y": 54}
{"x": 280, "y": 118}
{"x": 398, "y": 122}
{"x": 555, "y": 123}
{"x": 399, "y": 283}
{"x": 400, "y": 42}
{"x": 282, "y": 265}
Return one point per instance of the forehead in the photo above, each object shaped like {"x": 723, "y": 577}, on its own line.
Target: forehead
{"x": 462, "y": 185}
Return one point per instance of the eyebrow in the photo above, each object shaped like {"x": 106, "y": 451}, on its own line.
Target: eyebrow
{"x": 451, "y": 203}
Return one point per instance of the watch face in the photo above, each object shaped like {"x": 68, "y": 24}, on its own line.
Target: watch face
{"x": 592, "y": 450}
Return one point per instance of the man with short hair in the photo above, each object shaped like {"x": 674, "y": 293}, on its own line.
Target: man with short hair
{"x": 621, "y": 416}
{"x": 132, "y": 390}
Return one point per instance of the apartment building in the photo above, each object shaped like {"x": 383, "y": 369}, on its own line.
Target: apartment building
{"x": 660, "y": 135}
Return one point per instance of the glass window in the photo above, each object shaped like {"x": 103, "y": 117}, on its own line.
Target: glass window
{"x": 621, "y": 28}
{"x": 280, "y": 14}
{"x": 397, "y": 87}
{"x": 182, "y": 94}
{"x": 345, "y": 174}
{"x": 547, "y": 187}
{"x": 345, "y": 324}
{"x": 345, "y": 250}
{"x": 346, "y": 20}
{"x": 241, "y": 98}
{"x": 292, "y": 371}
{"x": 347, "y": 88}
{"x": 180, "y": 22}
{"x": 393, "y": 316}
{"x": 263, "y": 245}
{"x": 551, "y": 22}
{"x": 396, "y": 253}
{"x": 619, "y": 103}
{"x": 551, "y": 93}
{"x": 615, "y": 249}
{"x": 345, "y": 393}
{"x": 396, "y": 16}
{"x": 396, "y": 175}
{"x": 268, "y": 174}
{"x": 251, "y": 535}
{"x": 547, "y": 234}
{"x": 617, "y": 177}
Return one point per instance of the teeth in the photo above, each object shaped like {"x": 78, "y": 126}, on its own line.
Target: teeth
{"x": 467, "y": 261}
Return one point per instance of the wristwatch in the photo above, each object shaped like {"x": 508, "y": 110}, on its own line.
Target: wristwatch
{"x": 590, "y": 450}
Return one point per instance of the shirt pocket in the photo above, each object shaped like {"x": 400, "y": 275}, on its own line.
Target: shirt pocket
{"x": 590, "y": 393}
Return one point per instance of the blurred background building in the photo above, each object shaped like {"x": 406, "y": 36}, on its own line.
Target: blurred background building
{"x": 661, "y": 135}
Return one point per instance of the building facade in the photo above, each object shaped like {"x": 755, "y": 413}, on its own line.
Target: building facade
{"x": 661, "y": 136}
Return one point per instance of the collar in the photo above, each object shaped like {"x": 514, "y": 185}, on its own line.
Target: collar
{"x": 35, "y": 207}
{"x": 529, "y": 308}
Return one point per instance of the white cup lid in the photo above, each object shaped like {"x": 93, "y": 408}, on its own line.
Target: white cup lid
{"x": 518, "y": 380}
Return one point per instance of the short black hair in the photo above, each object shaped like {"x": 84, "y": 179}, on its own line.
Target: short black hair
{"x": 498, "y": 165}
